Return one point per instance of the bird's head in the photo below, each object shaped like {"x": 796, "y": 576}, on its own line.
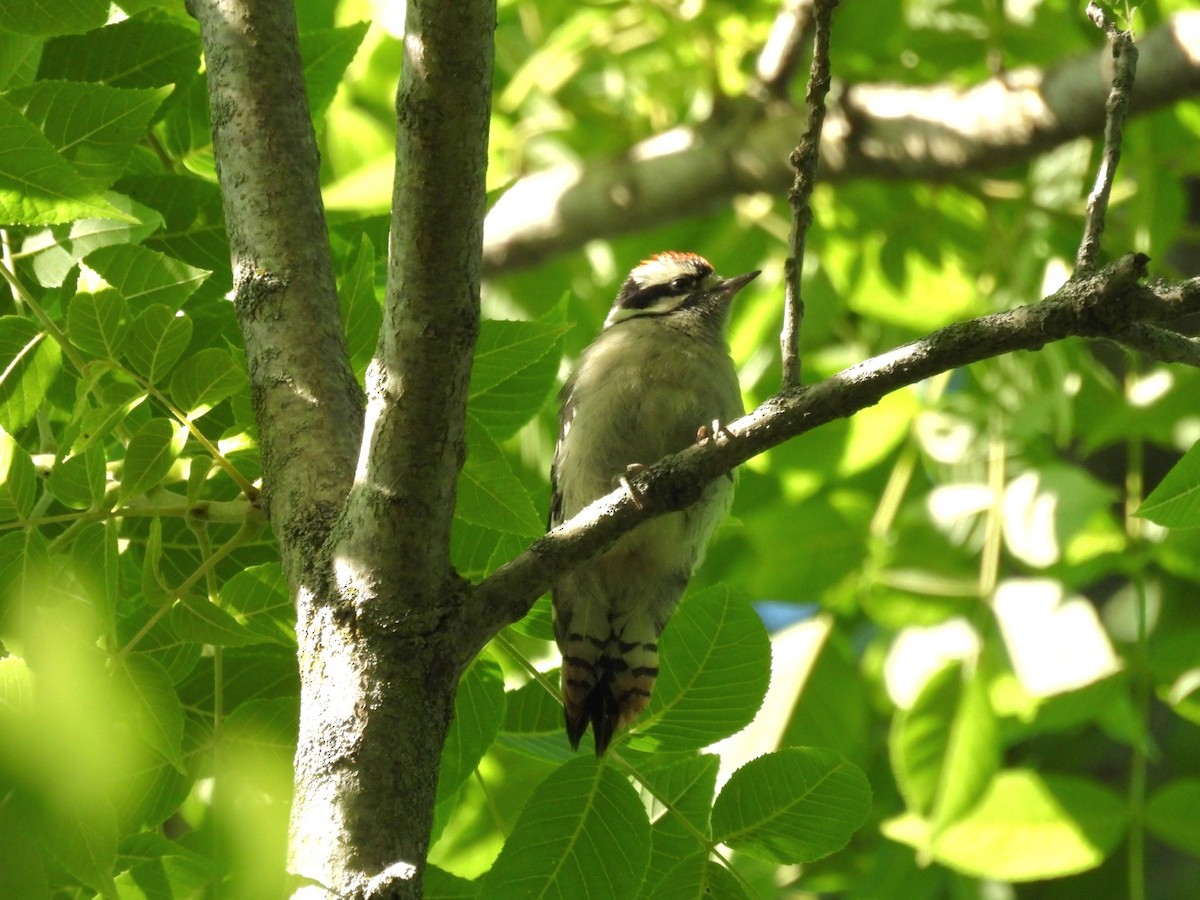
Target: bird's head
{"x": 674, "y": 284}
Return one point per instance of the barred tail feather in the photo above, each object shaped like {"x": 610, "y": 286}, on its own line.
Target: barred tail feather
{"x": 609, "y": 693}
{"x": 581, "y": 678}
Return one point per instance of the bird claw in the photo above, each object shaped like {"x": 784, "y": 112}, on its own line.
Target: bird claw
{"x": 635, "y": 493}
{"x": 711, "y": 432}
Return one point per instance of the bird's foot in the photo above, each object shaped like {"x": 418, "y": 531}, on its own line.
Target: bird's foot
{"x": 635, "y": 493}
{"x": 711, "y": 432}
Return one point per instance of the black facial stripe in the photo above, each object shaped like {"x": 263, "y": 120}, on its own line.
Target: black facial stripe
{"x": 640, "y": 299}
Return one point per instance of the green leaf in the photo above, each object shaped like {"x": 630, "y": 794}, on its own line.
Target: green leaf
{"x": 155, "y": 341}
{"x": 1175, "y": 502}
{"x": 18, "y": 57}
{"x": 154, "y": 587}
{"x": 715, "y": 663}
{"x": 945, "y": 749}
{"x": 56, "y": 249}
{"x": 196, "y": 620}
{"x": 93, "y": 127}
{"x": 206, "y": 378}
{"x": 16, "y": 685}
{"x": 97, "y": 569}
{"x": 441, "y": 885}
{"x": 79, "y": 481}
{"x": 515, "y": 369}
{"x": 582, "y": 833}
{"x": 152, "y": 451}
{"x": 1027, "y": 827}
{"x": 538, "y": 622}
{"x": 490, "y": 494}
{"x": 195, "y": 225}
{"x": 29, "y": 361}
{"x": 83, "y": 838}
{"x": 24, "y": 564}
{"x": 38, "y": 186}
{"x": 478, "y": 710}
{"x": 258, "y": 597}
{"x": 132, "y": 54}
{"x": 791, "y": 806}
{"x": 157, "y": 869}
{"x": 145, "y": 276}
{"x": 152, "y": 703}
{"x": 831, "y": 707}
{"x": 60, "y": 17}
{"x": 682, "y": 795}
{"x": 1171, "y": 814}
{"x": 361, "y": 312}
{"x": 477, "y": 550}
{"x": 96, "y": 323}
{"x": 326, "y": 53}
{"x": 531, "y": 708}
{"x": 266, "y": 728}
{"x": 18, "y": 480}
{"x": 698, "y": 878}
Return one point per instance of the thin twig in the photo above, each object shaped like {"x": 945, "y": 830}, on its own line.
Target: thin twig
{"x": 804, "y": 161}
{"x": 1125, "y": 56}
{"x": 1160, "y": 344}
{"x": 780, "y": 55}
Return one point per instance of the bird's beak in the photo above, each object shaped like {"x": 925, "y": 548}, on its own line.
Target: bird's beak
{"x": 731, "y": 286}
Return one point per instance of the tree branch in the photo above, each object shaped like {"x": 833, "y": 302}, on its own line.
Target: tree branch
{"x": 1108, "y": 304}
{"x": 878, "y": 131}
{"x": 380, "y": 659}
{"x": 1125, "y": 55}
{"x": 306, "y": 401}
{"x": 804, "y": 161}
{"x": 417, "y": 384}
{"x": 780, "y": 56}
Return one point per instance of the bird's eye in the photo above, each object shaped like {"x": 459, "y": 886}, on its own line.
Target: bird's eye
{"x": 682, "y": 283}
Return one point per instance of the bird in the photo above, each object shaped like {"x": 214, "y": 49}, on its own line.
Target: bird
{"x": 658, "y": 378}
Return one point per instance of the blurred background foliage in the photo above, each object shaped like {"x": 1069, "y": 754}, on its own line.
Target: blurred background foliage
{"x": 960, "y": 600}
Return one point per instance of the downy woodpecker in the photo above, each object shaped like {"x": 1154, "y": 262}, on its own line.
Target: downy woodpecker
{"x": 655, "y": 379}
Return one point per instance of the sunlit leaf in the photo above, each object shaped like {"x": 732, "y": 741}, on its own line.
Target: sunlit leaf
{"x": 145, "y": 276}
{"x": 18, "y": 480}
{"x": 516, "y": 364}
{"x": 78, "y": 482}
{"x": 155, "y": 341}
{"x": 96, "y": 323}
{"x": 582, "y": 833}
{"x": 65, "y": 17}
{"x": 1171, "y": 814}
{"x": 714, "y": 666}
{"x": 682, "y": 797}
{"x": 152, "y": 451}
{"x": 38, "y": 186}
{"x": 478, "y": 711}
{"x": 361, "y": 313}
{"x": 204, "y": 379}
{"x": 93, "y": 126}
{"x": 133, "y": 53}
{"x": 29, "y": 361}
{"x": 1175, "y": 502}
{"x": 945, "y": 748}
{"x": 260, "y": 600}
{"x": 794, "y": 805}
{"x": 198, "y": 621}
{"x": 1027, "y": 827}
{"x": 491, "y": 495}
{"x": 154, "y": 705}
